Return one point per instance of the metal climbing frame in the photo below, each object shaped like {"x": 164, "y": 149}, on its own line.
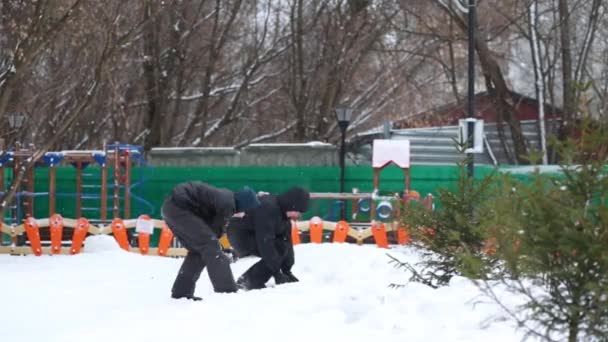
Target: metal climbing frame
{"x": 93, "y": 187}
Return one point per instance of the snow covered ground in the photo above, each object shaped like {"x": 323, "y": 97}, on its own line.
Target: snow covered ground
{"x": 106, "y": 294}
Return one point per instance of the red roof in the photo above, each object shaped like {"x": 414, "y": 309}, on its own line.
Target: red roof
{"x": 485, "y": 108}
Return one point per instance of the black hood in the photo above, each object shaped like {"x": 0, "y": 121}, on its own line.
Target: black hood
{"x": 294, "y": 199}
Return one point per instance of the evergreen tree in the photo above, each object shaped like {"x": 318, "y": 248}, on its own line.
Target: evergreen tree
{"x": 449, "y": 238}
{"x": 551, "y": 239}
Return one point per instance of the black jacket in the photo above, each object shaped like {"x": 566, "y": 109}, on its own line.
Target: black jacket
{"x": 272, "y": 228}
{"x": 214, "y": 205}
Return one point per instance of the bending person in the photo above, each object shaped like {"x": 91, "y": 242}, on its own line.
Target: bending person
{"x": 265, "y": 231}
{"x": 197, "y": 214}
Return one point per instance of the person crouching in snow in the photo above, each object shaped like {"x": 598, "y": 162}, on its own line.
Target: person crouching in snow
{"x": 265, "y": 231}
{"x": 197, "y": 214}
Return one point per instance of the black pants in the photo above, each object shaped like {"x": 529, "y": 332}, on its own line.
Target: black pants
{"x": 244, "y": 243}
{"x": 204, "y": 249}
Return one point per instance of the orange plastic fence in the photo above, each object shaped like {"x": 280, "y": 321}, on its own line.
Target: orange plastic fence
{"x": 379, "y": 233}
{"x": 295, "y": 234}
{"x": 143, "y": 237}
{"x": 403, "y": 235}
{"x": 56, "y": 227}
{"x": 316, "y": 231}
{"x": 145, "y": 227}
{"x": 33, "y": 234}
{"x": 120, "y": 233}
{"x": 166, "y": 236}
{"x": 341, "y": 231}
{"x": 80, "y": 233}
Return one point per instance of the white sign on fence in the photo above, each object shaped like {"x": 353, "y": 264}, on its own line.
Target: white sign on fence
{"x": 463, "y": 134}
{"x": 144, "y": 225}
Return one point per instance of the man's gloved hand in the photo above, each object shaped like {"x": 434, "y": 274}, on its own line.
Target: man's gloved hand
{"x": 281, "y": 278}
{"x": 231, "y": 254}
{"x": 290, "y": 277}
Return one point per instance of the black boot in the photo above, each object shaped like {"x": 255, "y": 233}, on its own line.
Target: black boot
{"x": 188, "y": 275}
{"x": 245, "y": 284}
{"x": 194, "y": 298}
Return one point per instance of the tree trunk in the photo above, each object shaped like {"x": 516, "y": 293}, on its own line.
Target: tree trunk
{"x": 152, "y": 118}
{"x": 567, "y": 81}
{"x": 504, "y": 106}
{"x": 539, "y": 84}
{"x": 299, "y": 82}
{"x": 573, "y": 327}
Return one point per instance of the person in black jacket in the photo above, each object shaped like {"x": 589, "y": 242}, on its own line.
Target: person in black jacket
{"x": 265, "y": 231}
{"x": 197, "y": 214}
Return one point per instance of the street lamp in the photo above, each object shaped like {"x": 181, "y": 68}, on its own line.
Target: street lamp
{"x": 471, "y": 83}
{"x": 469, "y": 7}
{"x": 343, "y": 114}
{"x": 15, "y": 120}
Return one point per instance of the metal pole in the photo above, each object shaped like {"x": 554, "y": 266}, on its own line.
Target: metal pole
{"x": 471, "y": 84}
{"x": 342, "y": 157}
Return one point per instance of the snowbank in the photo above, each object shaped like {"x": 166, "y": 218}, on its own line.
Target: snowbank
{"x": 107, "y": 294}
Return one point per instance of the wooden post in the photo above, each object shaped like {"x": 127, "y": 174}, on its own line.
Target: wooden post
{"x": 127, "y": 184}
{"x": 30, "y": 189}
{"x": 17, "y": 199}
{"x": 407, "y": 179}
{"x": 79, "y": 188}
{"x": 375, "y": 191}
{"x": 104, "y": 191}
{"x": 52, "y": 190}
{"x": 2, "y": 178}
{"x": 116, "y": 183}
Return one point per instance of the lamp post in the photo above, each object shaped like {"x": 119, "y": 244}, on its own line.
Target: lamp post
{"x": 343, "y": 114}
{"x": 469, "y": 7}
{"x": 471, "y": 83}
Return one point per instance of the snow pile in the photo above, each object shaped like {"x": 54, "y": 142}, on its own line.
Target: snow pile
{"x": 343, "y": 295}
{"x": 100, "y": 243}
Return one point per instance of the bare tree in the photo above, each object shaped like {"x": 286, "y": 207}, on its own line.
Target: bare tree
{"x": 83, "y": 94}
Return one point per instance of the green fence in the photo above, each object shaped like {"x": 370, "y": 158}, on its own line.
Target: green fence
{"x": 150, "y": 185}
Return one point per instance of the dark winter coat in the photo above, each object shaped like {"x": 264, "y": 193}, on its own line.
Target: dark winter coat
{"x": 213, "y": 205}
{"x": 266, "y": 231}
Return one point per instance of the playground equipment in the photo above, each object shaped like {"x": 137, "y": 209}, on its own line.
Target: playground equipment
{"x": 373, "y": 206}
{"x": 373, "y": 215}
{"x": 93, "y": 189}
{"x": 116, "y": 160}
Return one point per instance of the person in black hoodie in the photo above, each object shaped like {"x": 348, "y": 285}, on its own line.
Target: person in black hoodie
{"x": 265, "y": 231}
{"x": 197, "y": 214}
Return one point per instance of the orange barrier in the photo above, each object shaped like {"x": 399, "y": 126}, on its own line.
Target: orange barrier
{"x": 33, "y": 234}
{"x": 145, "y": 228}
{"x": 166, "y": 236}
{"x": 379, "y": 232}
{"x": 56, "y": 227}
{"x": 341, "y": 231}
{"x": 80, "y": 233}
{"x": 120, "y": 233}
{"x": 429, "y": 232}
{"x": 403, "y": 235}
{"x": 316, "y": 231}
{"x": 295, "y": 234}
{"x": 144, "y": 242}
{"x": 490, "y": 246}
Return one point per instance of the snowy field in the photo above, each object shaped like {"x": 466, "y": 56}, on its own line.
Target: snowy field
{"x": 106, "y": 294}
